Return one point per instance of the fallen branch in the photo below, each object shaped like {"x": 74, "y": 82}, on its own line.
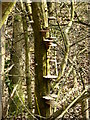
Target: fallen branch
{"x": 63, "y": 111}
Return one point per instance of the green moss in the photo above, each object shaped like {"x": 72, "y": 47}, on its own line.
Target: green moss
{"x": 17, "y": 18}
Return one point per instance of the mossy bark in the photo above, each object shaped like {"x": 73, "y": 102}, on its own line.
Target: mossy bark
{"x": 16, "y": 59}
{"x": 6, "y": 9}
{"x": 40, "y": 17}
{"x": 27, "y": 64}
{"x": 2, "y": 64}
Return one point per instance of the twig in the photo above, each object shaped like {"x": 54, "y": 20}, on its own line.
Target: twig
{"x": 79, "y": 41}
{"x": 80, "y": 21}
{"x": 25, "y": 107}
{"x": 62, "y": 112}
{"x": 9, "y": 69}
{"x": 66, "y": 42}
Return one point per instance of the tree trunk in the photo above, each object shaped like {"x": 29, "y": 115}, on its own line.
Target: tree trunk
{"x": 2, "y": 60}
{"x": 27, "y": 63}
{"x": 40, "y": 17}
{"x": 6, "y": 9}
{"x": 16, "y": 59}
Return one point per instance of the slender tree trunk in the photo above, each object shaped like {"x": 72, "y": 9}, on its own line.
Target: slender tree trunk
{"x": 27, "y": 63}
{"x": 6, "y": 9}
{"x": 16, "y": 59}
{"x": 87, "y": 101}
{"x": 2, "y": 60}
{"x": 4, "y": 106}
{"x": 0, "y": 83}
{"x": 0, "y": 69}
{"x": 40, "y": 17}
{"x": 85, "y": 106}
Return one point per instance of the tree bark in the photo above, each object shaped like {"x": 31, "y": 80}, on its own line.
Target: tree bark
{"x": 40, "y": 17}
{"x": 6, "y": 9}
{"x": 2, "y": 60}
{"x": 27, "y": 62}
{"x": 16, "y": 59}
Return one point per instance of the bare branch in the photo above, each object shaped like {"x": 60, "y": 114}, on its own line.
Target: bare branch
{"x": 63, "y": 111}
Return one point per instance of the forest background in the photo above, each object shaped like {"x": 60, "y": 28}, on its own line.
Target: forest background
{"x": 44, "y": 60}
